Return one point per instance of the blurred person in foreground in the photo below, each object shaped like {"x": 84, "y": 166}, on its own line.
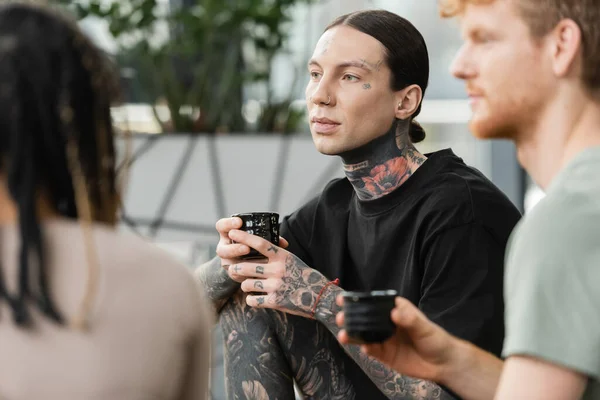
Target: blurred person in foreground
{"x": 551, "y": 110}
{"x": 425, "y": 225}
{"x": 85, "y": 312}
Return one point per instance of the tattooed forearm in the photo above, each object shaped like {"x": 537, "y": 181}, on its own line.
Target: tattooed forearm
{"x": 391, "y": 383}
{"x": 218, "y": 285}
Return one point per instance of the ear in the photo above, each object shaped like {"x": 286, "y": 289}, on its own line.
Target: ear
{"x": 566, "y": 47}
{"x": 407, "y": 101}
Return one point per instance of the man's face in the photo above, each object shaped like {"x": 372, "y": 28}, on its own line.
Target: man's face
{"x": 349, "y": 97}
{"x": 508, "y": 76}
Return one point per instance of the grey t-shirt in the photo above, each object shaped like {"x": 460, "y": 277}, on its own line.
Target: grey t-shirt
{"x": 552, "y": 292}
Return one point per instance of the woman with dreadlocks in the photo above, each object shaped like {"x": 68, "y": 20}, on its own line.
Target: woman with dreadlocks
{"x": 85, "y": 312}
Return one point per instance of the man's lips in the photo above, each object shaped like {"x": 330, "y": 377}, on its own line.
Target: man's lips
{"x": 324, "y": 125}
{"x": 323, "y": 120}
{"x": 321, "y": 127}
{"x": 474, "y": 98}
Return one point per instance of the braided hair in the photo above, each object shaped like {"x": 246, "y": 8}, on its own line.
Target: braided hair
{"x": 56, "y": 137}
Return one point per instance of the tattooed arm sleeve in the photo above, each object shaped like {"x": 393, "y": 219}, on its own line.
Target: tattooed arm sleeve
{"x": 391, "y": 383}
{"x": 219, "y": 287}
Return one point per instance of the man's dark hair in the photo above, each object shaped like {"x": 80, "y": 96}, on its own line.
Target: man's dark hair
{"x": 56, "y": 137}
{"x": 405, "y": 51}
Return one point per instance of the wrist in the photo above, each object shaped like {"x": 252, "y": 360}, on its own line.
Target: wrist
{"x": 460, "y": 360}
{"x": 217, "y": 283}
{"x": 326, "y": 308}
{"x": 470, "y": 372}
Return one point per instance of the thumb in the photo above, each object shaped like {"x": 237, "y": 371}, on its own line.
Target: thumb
{"x": 408, "y": 317}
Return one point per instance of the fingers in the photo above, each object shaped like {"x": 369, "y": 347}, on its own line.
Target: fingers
{"x": 283, "y": 243}
{"x": 226, "y": 249}
{"x": 260, "y": 285}
{"x": 231, "y": 251}
{"x": 255, "y": 270}
{"x": 339, "y": 319}
{"x": 235, "y": 277}
{"x": 224, "y": 225}
{"x": 255, "y": 242}
{"x": 374, "y": 350}
{"x": 343, "y": 338}
{"x": 258, "y": 301}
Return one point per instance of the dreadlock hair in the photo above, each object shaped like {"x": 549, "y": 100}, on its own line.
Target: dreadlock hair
{"x": 56, "y": 138}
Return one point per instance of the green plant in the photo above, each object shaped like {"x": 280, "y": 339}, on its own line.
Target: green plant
{"x": 212, "y": 49}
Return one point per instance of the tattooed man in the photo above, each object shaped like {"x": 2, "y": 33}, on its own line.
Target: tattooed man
{"x": 425, "y": 225}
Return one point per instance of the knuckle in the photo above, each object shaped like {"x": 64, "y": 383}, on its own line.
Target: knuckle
{"x": 220, "y": 225}
{"x": 228, "y": 261}
{"x": 279, "y": 271}
{"x": 221, "y": 254}
{"x": 224, "y": 250}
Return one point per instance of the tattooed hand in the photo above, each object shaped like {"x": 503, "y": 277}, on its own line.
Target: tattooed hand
{"x": 283, "y": 283}
{"x": 230, "y": 252}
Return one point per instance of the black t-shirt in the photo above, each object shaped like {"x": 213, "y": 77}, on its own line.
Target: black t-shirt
{"x": 439, "y": 240}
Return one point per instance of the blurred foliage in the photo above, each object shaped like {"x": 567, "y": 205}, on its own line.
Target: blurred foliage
{"x": 213, "y": 48}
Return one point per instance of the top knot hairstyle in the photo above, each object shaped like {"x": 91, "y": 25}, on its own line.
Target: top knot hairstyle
{"x": 56, "y": 138}
{"x": 405, "y": 52}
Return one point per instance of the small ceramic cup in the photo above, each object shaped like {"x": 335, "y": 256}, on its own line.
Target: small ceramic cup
{"x": 367, "y": 315}
{"x": 263, "y": 224}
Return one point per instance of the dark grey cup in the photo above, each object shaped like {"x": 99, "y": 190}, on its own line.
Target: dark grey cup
{"x": 367, "y": 315}
{"x": 263, "y": 224}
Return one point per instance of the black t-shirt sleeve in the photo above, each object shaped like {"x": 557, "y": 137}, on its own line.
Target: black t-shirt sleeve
{"x": 461, "y": 288}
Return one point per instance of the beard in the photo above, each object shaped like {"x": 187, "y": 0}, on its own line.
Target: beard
{"x": 511, "y": 120}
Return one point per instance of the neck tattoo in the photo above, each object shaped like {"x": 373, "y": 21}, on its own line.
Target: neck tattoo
{"x": 382, "y": 165}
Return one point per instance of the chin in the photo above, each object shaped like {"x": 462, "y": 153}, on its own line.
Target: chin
{"x": 326, "y": 145}
{"x": 327, "y": 149}
{"x": 491, "y": 128}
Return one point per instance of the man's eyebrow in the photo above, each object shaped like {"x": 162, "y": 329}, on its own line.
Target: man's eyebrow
{"x": 363, "y": 64}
